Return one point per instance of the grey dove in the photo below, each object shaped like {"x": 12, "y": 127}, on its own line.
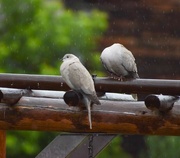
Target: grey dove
{"x": 119, "y": 62}
{"x": 79, "y": 79}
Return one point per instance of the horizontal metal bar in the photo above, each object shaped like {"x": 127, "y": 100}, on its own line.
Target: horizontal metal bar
{"x": 148, "y": 86}
{"x": 27, "y": 81}
{"x": 46, "y": 82}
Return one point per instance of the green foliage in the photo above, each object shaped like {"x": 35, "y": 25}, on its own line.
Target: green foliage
{"x": 36, "y": 33}
{"x": 163, "y": 146}
{"x": 27, "y": 143}
{"x": 157, "y": 147}
{"x": 113, "y": 150}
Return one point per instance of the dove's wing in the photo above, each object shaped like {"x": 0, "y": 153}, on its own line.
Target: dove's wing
{"x": 128, "y": 60}
{"x": 119, "y": 61}
{"x": 79, "y": 79}
{"x": 111, "y": 62}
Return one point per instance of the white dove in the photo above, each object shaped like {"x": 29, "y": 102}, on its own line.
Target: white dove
{"x": 119, "y": 62}
{"x": 79, "y": 79}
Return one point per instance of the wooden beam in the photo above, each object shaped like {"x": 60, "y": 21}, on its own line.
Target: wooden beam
{"x": 45, "y": 114}
{"x": 79, "y": 146}
{"x": 2, "y": 144}
{"x": 45, "y": 82}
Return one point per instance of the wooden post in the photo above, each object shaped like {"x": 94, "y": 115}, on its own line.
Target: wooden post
{"x": 2, "y": 144}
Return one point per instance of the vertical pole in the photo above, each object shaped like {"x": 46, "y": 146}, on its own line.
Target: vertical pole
{"x": 2, "y": 144}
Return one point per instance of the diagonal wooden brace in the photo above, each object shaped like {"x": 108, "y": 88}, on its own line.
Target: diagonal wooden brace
{"x": 100, "y": 141}
{"x": 61, "y": 146}
{"x": 75, "y": 145}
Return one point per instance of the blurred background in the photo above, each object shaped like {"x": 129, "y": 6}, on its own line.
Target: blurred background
{"x": 35, "y": 34}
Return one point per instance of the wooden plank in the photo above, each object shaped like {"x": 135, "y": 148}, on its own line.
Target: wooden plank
{"x": 76, "y": 145}
{"x": 2, "y": 144}
{"x": 61, "y": 146}
{"x": 46, "y": 114}
{"x": 99, "y": 142}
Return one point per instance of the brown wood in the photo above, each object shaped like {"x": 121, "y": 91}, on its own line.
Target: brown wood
{"x": 2, "y": 144}
{"x": 11, "y": 97}
{"x": 161, "y": 103}
{"x": 45, "y": 114}
{"x": 44, "y": 82}
{"x": 149, "y": 29}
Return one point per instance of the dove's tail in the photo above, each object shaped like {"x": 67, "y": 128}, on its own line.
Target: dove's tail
{"x": 87, "y": 103}
{"x": 136, "y": 75}
{"x": 135, "y": 96}
{"x": 89, "y": 115}
{"x": 97, "y": 101}
{"x": 94, "y": 99}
